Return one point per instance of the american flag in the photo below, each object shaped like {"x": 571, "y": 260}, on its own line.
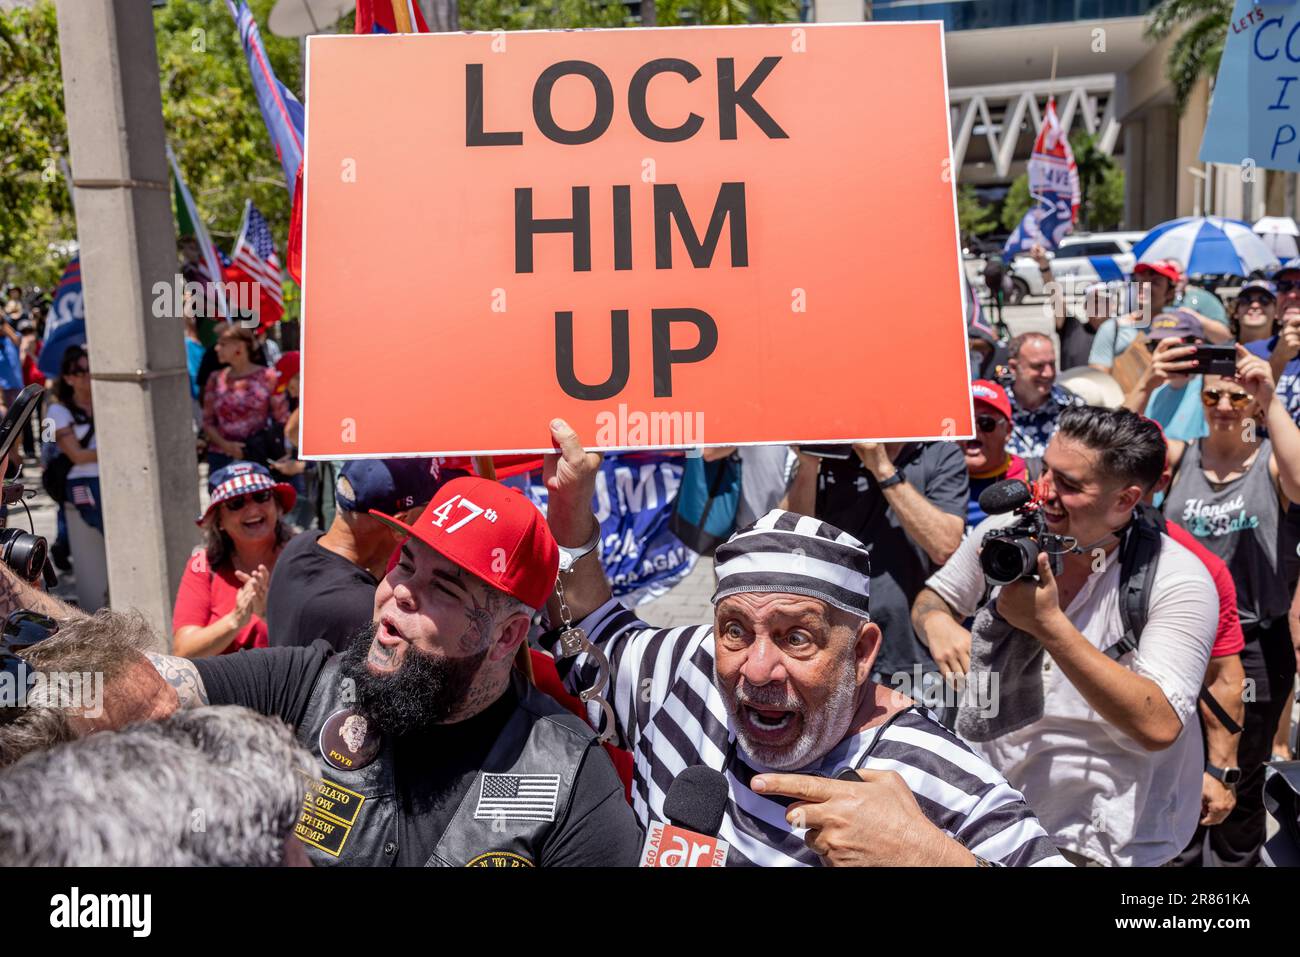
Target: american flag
{"x": 518, "y": 797}
{"x": 254, "y": 254}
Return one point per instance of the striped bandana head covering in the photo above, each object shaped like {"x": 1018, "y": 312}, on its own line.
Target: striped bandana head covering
{"x": 785, "y": 552}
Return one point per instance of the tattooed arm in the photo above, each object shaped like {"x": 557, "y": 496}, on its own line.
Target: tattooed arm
{"x": 181, "y": 674}
{"x": 16, "y": 594}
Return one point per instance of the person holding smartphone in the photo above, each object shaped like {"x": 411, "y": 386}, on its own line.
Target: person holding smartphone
{"x": 1230, "y": 490}
{"x": 1170, "y": 389}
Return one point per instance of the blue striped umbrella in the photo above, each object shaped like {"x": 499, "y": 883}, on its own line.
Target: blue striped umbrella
{"x": 1207, "y": 246}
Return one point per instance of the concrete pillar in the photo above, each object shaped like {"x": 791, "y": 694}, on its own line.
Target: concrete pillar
{"x": 1191, "y": 130}
{"x": 124, "y": 225}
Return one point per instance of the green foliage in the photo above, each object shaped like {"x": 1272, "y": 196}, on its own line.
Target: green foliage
{"x": 548, "y": 14}
{"x": 1107, "y": 200}
{"x": 720, "y": 12}
{"x": 35, "y": 210}
{"x": 1017, "y": 202}
{"x": 973, "y": 217}
{"x": 1202, "y": 28}
{"x": 1101, "y": 184}
{"x": 209, "y": 110}
{"x": 212, "y": 118}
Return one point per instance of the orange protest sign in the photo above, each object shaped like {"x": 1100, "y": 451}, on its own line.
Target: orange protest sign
{"x": 674, "y": 237}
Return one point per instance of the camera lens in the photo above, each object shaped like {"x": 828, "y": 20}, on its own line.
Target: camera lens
{"x": 23, "y": 552}
{"x": 1005, "y": 560}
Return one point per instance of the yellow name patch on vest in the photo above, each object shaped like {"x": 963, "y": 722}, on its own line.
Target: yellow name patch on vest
{"x": 328, "y": 812}
{"x": 500, "y": 859}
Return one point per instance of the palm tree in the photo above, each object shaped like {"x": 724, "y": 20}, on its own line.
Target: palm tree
{"x": 1199, "y": 46}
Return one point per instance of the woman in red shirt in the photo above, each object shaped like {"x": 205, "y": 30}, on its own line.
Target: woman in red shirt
{"x": 221, "y": 604}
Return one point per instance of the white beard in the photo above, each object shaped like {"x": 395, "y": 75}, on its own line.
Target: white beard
{"x": 821, "y": 730}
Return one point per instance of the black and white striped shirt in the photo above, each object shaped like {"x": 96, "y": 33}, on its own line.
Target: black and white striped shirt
{"x": 670, "y": 716}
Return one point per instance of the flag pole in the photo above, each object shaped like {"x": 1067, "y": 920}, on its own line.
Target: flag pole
{"x": 483, "y": 464}
{"x": 402, "y": 17}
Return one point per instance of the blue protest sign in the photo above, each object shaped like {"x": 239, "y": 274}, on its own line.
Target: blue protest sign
{"x": 1255, "y": 113}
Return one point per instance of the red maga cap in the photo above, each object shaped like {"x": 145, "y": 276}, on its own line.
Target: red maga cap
{"x": 492, "y": 531}
{"x": 986, "y": 392}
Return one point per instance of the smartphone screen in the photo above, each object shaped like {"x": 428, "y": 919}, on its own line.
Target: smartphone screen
{"x": 1215, "y": 360}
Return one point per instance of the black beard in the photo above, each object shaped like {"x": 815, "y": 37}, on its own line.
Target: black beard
{"x": 424, "y": 691}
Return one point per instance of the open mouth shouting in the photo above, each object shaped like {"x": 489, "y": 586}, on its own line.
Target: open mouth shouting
{"x": 769, "y": 723}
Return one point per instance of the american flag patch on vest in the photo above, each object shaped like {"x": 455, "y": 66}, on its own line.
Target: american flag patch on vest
{"x": 518, "y": 797}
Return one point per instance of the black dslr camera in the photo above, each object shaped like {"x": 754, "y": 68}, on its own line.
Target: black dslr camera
{"x": 24, "y": 552}
{"x": 1011, "y": 553}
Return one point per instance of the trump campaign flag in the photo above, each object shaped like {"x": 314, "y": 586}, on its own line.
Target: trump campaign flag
{"x": 66, "y": 323}
{"x": 254, "y": 260}
{"x": 283, "y": 116}
{"x": 1053, "y": 185}
{"x": 281, "y": 110}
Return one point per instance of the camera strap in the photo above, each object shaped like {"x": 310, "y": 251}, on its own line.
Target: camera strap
{"x": 1140, "y": 552}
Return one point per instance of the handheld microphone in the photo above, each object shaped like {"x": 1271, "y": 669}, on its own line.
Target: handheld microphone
{"x": 1005, "y": 496}
{"x": 694, "y": 805}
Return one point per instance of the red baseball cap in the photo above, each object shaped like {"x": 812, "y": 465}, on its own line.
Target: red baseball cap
{"x": 1162, "y": 267}
{"x": 993, "y": 395}
{"x": 491, "y": 531}
{"x": 286, "y": 369}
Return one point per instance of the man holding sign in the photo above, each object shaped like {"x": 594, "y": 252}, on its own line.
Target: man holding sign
{"x": 775, "y": 694}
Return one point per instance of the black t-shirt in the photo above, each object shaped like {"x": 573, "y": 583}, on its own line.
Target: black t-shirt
{"x": 1076, "y": 342}
{"x": 849, "y": 499}
{"x": 317, "y": 594}
{"x": 435, "y": 768}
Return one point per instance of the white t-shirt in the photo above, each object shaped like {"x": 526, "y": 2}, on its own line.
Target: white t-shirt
{"x": 62, "y": 418}
{"x": 1097, "y": 791}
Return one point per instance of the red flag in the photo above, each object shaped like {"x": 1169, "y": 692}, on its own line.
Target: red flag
{"x": 376, "y": 16}
{"x": 293, "y": 249}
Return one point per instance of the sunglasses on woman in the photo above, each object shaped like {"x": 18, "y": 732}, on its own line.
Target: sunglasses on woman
{"x": 986, "y": 423}
{"x": 1260, "y": 301}
{"x": 1212, "y": 397}
{"x": 1288, "y": 285}
{"x": 239, "y": 501}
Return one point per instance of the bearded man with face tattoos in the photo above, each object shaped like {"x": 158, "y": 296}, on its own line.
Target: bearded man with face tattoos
{"x": 776, "y": 695}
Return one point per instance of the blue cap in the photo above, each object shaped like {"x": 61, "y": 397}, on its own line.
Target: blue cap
{"x": 390, "y": 485}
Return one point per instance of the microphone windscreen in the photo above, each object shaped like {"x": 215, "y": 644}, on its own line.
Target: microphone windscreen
{"x": 696, "y": 800}
{"x": 1005, "y": 496}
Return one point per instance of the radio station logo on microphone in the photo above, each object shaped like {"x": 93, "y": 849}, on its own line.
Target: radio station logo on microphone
{"x": 668, "y": 846}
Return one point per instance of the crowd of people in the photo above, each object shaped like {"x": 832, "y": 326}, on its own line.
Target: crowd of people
{"x": 455, "y": 670}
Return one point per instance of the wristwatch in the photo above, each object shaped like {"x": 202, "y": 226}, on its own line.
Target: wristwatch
{"x": 569, "y": 556}
{"x": 898, "y": 478}
{"x": 1229, "y": 777}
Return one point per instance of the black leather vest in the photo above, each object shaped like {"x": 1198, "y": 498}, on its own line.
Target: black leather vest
{"x": 352, "y": 817}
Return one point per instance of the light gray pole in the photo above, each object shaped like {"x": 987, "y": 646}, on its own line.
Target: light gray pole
{"x": 147, "y": 468}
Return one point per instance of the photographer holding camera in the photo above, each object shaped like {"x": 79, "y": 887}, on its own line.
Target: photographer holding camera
{"x": 1095, "y": 711}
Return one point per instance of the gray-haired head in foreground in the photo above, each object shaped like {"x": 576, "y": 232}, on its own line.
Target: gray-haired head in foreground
{"x": 798, "y": 555}
{"x": 106, "y": 643}
{"x": 215, "y": 786}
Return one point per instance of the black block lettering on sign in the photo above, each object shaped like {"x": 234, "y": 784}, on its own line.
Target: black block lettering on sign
{"x": 474, "y": 135}
{"x": 542, "y": 102}
{"x": 670, "y": 208}
{"x": 620, "y": 358}
{"x": 636, "y": 101}
{"x": 665, "y": 356}
{"x": 730, "y": 96}
{"x": 526, "y": 227}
